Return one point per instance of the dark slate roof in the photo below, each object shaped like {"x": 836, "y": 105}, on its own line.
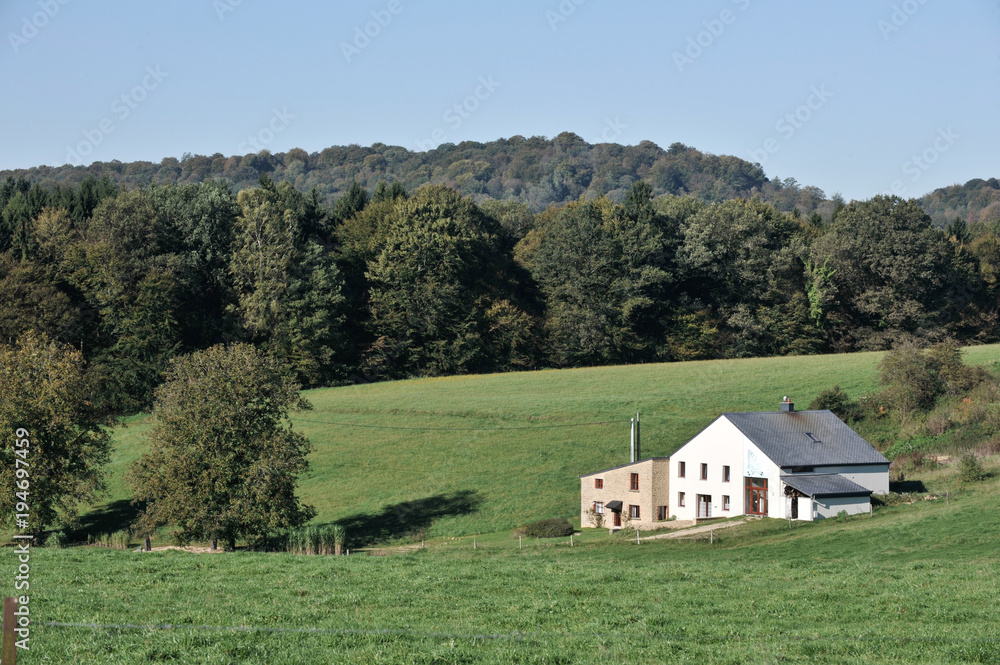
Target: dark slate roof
{"x": 805, "y": 438}
{"x": 825, "y": 484}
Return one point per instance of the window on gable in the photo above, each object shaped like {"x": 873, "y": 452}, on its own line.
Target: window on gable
{"x": 725, "y": 474}
{"x": 598, "y": 483}
{"x": 704, "y": 472}
{"x": 634, "y": 482}
{"x": 680, "y": 499}
{"x": 725, "y": 502}
{"x": 681, "y": 469}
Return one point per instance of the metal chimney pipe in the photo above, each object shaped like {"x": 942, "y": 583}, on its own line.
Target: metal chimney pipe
{"x": 632, "y": 432}
{"x": 638, "y": 439}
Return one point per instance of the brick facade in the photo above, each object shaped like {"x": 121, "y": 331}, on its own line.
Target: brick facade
{"x": 654, "y": 491}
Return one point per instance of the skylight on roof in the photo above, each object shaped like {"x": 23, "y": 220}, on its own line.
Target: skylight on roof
{"x": 812, "y": 438}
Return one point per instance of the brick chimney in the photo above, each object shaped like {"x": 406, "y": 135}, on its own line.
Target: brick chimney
{"x": 787, "y": 405}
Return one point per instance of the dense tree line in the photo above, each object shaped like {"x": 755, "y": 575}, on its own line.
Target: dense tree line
{"x": 536, "y": 171}
{"x": 388, "y": 283}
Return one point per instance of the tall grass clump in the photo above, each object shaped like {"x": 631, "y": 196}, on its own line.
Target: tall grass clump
{"x": 119, "y": 540}
{"x": 315, "y": 540}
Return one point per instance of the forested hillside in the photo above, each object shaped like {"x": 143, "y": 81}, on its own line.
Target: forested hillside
{"x": 977, "y": 201}
{"x": 536, "y": 171}
{"x": 394, "y": 283}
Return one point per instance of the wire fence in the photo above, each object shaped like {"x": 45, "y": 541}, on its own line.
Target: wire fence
{"x": 523, "y": 636}
{"x": 310, "y": 631}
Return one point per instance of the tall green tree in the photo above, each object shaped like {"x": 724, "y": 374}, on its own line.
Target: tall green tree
{"x": 441, "y": 299}
{"x": 605, "y": 272}
{"x": 890, "y": 271}
{"x": 740, "y": 259}
{"x": 45, "y": 391}
{"x": 222, "y": 463}
{"x": 288, "y": 289}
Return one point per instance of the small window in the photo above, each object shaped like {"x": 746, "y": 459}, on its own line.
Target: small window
{"x": 661, "y": 513}
{"x": 634, "y": 482}
{"x": 633, "y": 512}
{"x": 680, "y": 499}
{"x": 598, "y": 483}
{"x": 681, "y": 469}
{"x": 599, "y": 507}
{"x": 725, "y": 474}
{"x": 725, "y": 502}
{"x": 704, "y": 472}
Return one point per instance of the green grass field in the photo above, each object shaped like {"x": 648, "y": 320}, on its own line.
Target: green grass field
{"x": 451, "y": 468}
{"x": 912, "y": 584}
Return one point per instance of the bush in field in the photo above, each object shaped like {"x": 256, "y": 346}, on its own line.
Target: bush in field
{"x": 913, "y": 379}
{"x": 836, "y": 400}
{"x": 970, "y": 470}
{"x": 552, "y": 528}
{"x": 58, "y": 540}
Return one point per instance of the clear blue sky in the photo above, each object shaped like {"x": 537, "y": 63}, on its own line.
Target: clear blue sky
{"x": 896, "y": 78}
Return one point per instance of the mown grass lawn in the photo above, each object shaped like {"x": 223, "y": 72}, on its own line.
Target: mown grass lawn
{"x": 434, "y": 451}
{"x": 913, "y": 584}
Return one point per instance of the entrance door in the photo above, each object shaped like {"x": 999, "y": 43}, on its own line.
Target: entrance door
{"x": 704, "y": 505}
{"x": 617, "y": 518}
{"x": 756, "y": 496}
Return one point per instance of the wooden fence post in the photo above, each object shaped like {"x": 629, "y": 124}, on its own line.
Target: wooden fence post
{"x": 8, "y": 648}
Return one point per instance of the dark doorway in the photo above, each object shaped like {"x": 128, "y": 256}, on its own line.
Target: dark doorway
{"x": 617, "y": 521}
{"x": 795, "y": 507}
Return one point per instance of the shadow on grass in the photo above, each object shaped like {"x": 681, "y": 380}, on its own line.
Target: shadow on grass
{"x": 111, "y": 517}
{"x": 904, "y": 486}
{"x": 408, "y": 518}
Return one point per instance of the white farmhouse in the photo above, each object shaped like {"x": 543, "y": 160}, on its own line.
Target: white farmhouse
{"x": 788, "y": 464}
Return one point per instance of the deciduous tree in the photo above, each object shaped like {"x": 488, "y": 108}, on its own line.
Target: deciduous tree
{"x": 44, "y": 389}
{"x": 222, "y": 463}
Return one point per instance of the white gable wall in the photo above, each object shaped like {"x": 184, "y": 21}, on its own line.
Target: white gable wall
{"x": 721, "y": 444}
